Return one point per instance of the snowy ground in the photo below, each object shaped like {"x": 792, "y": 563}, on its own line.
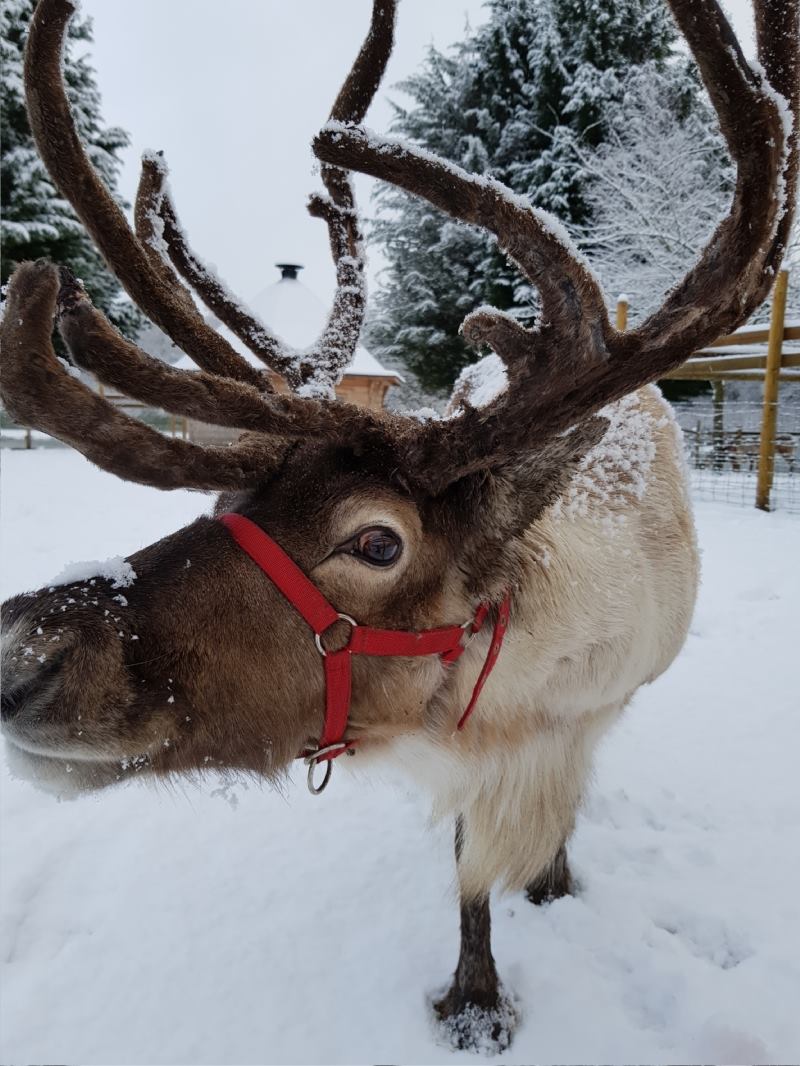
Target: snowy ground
{"x": 243, "y": 926}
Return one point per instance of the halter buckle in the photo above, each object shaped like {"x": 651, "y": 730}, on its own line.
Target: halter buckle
{"x": 318, "y": 636}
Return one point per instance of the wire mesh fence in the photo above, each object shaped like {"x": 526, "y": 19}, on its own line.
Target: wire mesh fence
{"x": 723, "y": 444}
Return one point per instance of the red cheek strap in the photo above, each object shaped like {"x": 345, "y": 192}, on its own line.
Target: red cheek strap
{"x": 448, "y": 642}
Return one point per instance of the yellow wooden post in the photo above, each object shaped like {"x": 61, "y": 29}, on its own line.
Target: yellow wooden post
{"x": 769, "y": 417}
{"x": 622, "y": 313}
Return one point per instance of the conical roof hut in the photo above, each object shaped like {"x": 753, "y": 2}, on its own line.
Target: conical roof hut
{"x": 290, "y": 309}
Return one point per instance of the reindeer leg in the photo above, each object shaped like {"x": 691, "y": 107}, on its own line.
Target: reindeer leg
{"x": 476, "y": 1013}
{"x": 552, "y": 883}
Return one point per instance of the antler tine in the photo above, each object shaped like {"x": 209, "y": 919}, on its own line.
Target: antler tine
{"x": 96, "y": 346}
{"x": 337, "y": 343}
{"x": 470, "y": 199}
{"x": 170, "y": 306}
{"x": 776, "y": 36}
{"x": 361, "y": 84}
{"x": 572, "y": 300}
{"x": 538, "y": 243}
{"x": 39, "y": 391}
{"x": 161, "y": 234}
{"x": 317, "y": 369}
{"x": 776, "y": 39}
{"x": 358, "y": 91}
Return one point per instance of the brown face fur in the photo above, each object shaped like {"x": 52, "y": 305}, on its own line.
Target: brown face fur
{"x": 201, "y": 663}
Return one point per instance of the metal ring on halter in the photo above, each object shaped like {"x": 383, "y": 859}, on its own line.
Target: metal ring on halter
{"x": 316, "y": 789}
{"x": 312, "y": 761}
{"x": 318, "y": 636}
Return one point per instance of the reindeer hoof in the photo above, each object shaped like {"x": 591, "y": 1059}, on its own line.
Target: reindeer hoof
{"x": 485, "y": 1027}
{"x": 554, "y": 883}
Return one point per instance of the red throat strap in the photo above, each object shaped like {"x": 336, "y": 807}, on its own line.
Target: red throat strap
{"x": 448, "y": 642}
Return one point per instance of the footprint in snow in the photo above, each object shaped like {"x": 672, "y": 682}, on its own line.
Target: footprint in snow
{"x": 706, "y": 937}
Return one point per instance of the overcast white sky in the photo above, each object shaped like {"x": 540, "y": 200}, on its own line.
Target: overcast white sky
{"x": 233, "y": 91}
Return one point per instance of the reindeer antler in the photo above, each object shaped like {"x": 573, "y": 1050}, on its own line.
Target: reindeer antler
{"x": 558, "y": 375}
{"x": 39, "y": 392}
{"x": 170, "y": 307}
{"x": 318, "y": 368}
{"x": 141, "y": 261}
{"x": 575, "y": 363}
{"x": 162, "y": 235}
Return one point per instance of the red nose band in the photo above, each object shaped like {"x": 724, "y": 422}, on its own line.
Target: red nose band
{"x": 448, "y": 642}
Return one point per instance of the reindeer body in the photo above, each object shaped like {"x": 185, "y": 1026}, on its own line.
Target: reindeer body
{"x": 564, "y": 489}
{"x": 602, "y": 602}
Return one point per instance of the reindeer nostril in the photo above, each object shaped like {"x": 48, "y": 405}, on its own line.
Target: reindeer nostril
{"x": 17, "y": 693}
{"x": 11, "y": 702}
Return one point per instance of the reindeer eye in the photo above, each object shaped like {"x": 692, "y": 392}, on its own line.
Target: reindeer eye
{"x": 377, "y": 546}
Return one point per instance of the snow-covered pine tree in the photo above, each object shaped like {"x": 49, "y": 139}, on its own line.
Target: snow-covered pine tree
{"x": 36, "y": 221}
{"x": 495, "y": 103}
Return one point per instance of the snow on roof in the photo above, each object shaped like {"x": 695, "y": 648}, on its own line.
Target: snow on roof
{"x": 290, "y": 309}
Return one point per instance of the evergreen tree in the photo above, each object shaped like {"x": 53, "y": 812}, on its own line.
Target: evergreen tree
{"x": 501, "y": 103}
{"x": 36, "y": 220}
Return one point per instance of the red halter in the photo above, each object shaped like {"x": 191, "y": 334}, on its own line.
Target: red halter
{"x": 309, "y": 602}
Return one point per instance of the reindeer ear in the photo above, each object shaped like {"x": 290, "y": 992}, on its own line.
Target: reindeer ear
{"x": 524, "y": 487}
{"x": 486, "y": 511}
{"x": 539, "y": 478}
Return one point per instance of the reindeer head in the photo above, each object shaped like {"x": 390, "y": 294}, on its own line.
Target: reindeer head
{"x": 400, "y": 522}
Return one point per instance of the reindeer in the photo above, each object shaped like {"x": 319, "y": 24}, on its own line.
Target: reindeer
{"x": 352, "y": 591}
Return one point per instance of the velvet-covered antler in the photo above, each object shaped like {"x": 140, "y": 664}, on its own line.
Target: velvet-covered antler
{"x": 318, "y": 368}
{"x": 141, "y": 260}
{"x": 558, "y": 375}
{"x": 160, "y": 231}
{"x": 170, "y": 307}
{"x": 39, "y": 390}
{"x": 96, "y": 346}
{"x": 575, "y": 363}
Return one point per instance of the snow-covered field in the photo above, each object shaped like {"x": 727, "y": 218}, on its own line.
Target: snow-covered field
{"x": 238, "y": 925}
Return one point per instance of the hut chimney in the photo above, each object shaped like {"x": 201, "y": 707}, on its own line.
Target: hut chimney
{"x": 289, "y": 270}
